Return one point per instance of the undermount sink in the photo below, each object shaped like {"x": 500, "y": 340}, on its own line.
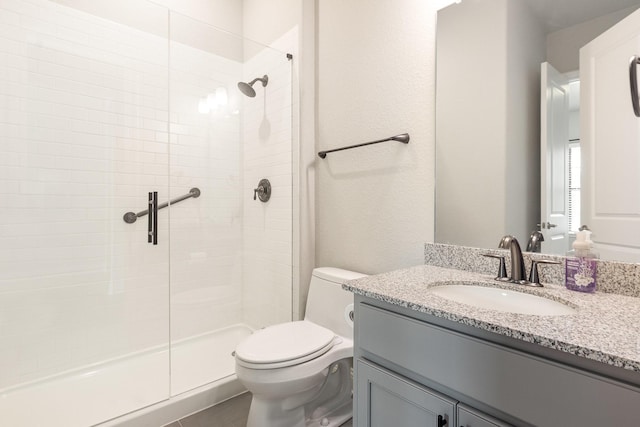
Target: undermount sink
{"x": 504, "y": 300}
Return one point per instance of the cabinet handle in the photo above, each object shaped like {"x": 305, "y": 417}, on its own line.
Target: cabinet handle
{"x": 441, "y": 421}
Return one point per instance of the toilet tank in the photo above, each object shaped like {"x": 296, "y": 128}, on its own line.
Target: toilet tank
{"x": 328, "y": 304}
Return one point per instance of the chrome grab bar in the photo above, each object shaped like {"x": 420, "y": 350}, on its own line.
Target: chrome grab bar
{"x": 404, "y": 138}
{"x": 131, "y": 217}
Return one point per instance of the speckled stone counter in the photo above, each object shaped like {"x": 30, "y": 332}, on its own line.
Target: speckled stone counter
{"x": 613, "y": 276}
{"x": 605, "y": 327}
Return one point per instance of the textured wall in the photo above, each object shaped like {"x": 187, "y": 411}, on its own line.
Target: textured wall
{"x": 375, "y": 69}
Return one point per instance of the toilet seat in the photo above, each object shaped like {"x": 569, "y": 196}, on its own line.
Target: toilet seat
{"x": 285, "y": 344}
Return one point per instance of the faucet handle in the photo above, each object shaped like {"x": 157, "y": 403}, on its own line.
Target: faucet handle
{"x": 502, "y": 268}
{"x": 534, "y": 278}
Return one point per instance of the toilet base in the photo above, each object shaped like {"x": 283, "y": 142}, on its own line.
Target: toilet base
{"x": 335, "y": 419}
{"x": 330, "y": 404}
{"x": 266, "y": 414}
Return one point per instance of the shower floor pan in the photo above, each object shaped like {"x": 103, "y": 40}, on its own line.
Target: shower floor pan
{"x": 129, "y": 391}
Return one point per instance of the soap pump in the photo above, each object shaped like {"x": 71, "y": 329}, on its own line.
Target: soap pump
{"x": 581, "y": 265}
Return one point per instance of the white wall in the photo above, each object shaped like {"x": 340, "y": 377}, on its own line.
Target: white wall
{"x": 375, "y": 79}
{"x": 267, "y": 21}
{"x": 563, "y": 46}
{"x": 223, "y": 14}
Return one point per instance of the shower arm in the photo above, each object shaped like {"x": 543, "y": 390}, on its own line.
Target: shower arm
{"x": 131, "y": 217}
{"x": 404, "y": 138}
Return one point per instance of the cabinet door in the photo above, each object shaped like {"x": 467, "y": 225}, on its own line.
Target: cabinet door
{"x": 468, "y": 417}
{"x": 384, "y": 399}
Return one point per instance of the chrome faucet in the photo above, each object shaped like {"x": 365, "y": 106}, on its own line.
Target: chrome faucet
{"x": 518, "y": 272}
{"x": 535, "y": 240}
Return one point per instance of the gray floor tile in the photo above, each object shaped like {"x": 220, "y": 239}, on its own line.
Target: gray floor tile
{"x": 232, "y": 413}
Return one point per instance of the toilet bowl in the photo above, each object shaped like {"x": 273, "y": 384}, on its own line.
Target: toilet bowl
{"x": 300, "y": 373}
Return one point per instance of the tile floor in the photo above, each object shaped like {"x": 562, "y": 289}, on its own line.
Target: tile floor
{"x": 232, "y": 413}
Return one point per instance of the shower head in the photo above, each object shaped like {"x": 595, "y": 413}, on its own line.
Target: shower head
{"x": 247, "y": 88}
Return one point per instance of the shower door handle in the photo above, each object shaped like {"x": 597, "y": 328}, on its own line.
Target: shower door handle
{"x": 152, "y": 224}
{"x": 155, "y": 217}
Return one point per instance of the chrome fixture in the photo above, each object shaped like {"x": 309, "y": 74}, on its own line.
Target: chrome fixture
{"x": 263, "y": 192}
{"x": 403, "y": 137}
{"x": 131, "y": 217}
{"x": 534, "y": 277}
{"x": 247, "y": 88}
{"x": 518, "y": 272}
{"x": 502, "y": 269}
{"x": 535, "y": 240}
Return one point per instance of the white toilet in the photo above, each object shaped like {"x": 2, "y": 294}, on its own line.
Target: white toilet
{"x": 300, "y": 373}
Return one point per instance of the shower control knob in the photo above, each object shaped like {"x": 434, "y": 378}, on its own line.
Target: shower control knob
{"x": 263, "y": 191}
{"x": 260, "y": 190}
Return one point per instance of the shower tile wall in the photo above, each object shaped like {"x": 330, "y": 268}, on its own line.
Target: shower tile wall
{"x": 83, "y": 137}
{"x": 267, "y": 152}
{"x": 85, "y": 133}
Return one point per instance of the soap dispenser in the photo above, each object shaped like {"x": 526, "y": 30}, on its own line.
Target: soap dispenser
{"x": 581, "y": 266}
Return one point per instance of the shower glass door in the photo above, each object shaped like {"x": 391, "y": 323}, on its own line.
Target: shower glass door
{"x": 231, "y": 259}
{"x": 101, "y": 104}
{"x": 84, "y": 298}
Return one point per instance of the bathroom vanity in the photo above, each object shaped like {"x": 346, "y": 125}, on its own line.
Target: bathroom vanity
{"x": 421, "y": 359}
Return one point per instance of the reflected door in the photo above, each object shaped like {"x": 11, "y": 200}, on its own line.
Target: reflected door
{"x": 554, "y": 160}
{"x": 611, "y": 141}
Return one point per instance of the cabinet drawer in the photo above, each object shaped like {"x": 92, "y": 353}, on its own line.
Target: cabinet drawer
{"x": 501, "y": 378}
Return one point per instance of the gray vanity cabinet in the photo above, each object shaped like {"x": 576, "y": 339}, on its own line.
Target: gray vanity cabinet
{"x": 412, "y": 367}
{"x": 469, "y": 417}
{"x": 386, "y": 400}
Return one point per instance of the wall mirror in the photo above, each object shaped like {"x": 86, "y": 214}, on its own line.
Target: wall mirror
{"x": 489, "y": 165}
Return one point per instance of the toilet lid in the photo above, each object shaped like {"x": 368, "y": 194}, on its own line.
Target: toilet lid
{"x": 285, "y": 342}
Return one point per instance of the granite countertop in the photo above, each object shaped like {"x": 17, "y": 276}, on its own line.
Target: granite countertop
{"x": 605, "y": 327}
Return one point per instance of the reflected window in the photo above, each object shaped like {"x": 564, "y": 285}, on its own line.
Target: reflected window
{"x": 574, "y": 186}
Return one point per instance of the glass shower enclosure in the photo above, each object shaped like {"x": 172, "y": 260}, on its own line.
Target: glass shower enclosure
{"x": 133, "y": 254}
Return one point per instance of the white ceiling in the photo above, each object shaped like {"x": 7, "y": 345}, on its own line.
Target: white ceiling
{"x": 565, "y": 13}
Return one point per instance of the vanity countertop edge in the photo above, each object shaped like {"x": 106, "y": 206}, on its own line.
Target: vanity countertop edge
{"x": 605, "y": 327}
